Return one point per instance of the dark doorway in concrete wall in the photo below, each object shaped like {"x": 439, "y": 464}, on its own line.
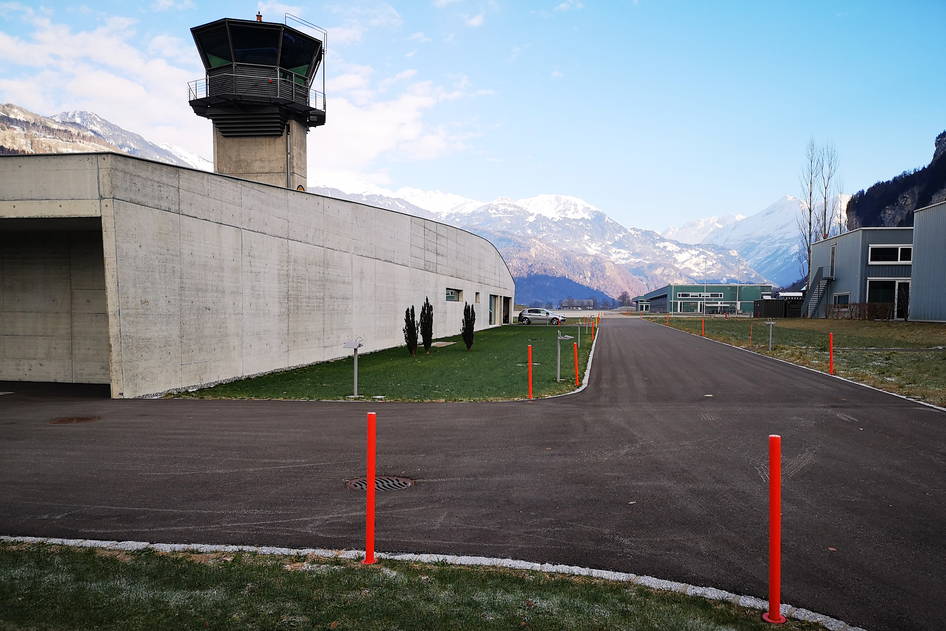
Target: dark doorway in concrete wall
{"x": 507, "y": 307}
{"x": 53, "y": 317}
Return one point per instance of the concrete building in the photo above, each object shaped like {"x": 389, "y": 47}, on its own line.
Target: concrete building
{"x": 153, "y": 278}
{"x": 708, "y": 298}
{"x": 928, "y": 295}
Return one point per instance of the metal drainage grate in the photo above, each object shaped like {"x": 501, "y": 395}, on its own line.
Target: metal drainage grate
{"x": 381, "y": 483}
{"x": 69, "y": 420}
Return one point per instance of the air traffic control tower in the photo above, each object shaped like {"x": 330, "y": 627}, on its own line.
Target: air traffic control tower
{"x": 258, "y": 92}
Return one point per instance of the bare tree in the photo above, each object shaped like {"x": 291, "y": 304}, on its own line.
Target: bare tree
{"x": 842, "y": 223}
{"x": 809, "y": 180}
{"x": 827, "y": 172}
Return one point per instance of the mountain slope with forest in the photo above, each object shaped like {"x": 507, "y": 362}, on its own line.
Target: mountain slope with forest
{"x": 892, "y": 203}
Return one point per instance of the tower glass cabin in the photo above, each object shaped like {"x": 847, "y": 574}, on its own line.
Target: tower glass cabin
{"x": 258, "y": 92}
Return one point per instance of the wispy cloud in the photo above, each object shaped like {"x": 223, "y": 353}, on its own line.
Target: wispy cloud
{"x": 444, "y": 3}
{"x": 475, "y": 21}
{"x": 377, "y": 119}
{"x": 274, "y": 11}
{"x": 557, "y": 74}
{"x": 419, "y": 37}
{"x": 167, "y": 5}
{"x": 50, "y": 67}
{"x": 569, "y": 5}
{"x": 357, "y": 19}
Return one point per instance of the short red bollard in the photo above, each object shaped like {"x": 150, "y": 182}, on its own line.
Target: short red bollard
{"x": 369, "y": 488}
{"x": 830, "y": 353}
{"x": 575, "y": 349}
{"x": 750, "y": 334}
{"x": 774, "y": 614}
{"x": 703, "y": 328}
{"x": 529, "y": 370}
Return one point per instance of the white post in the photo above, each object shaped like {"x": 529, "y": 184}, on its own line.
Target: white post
{"x": 558, "y": 355}
{"x": 356, "y": 372}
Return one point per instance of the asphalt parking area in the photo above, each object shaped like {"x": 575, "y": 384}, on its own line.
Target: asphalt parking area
{"x": 657, "y": 468}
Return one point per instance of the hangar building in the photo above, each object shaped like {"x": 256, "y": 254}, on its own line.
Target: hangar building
{"x": 707, "y": 298}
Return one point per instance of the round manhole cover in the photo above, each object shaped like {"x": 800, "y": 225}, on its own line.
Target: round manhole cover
{"x": 69, "y": 420}
{"x": 381, "y": 483}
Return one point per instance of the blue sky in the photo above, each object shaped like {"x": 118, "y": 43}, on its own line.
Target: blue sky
{"x": 656, "y": 111}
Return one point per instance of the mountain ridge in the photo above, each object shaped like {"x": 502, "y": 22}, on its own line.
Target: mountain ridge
{"x": 892, "y": 202}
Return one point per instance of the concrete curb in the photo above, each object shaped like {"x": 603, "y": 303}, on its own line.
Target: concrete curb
{"x": 749, "y": 602}
{"x": 809, "y": 369}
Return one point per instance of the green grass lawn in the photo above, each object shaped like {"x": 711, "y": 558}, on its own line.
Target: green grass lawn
{"x": 59, "y": 588}
{"x": 493, "y": 369}
{"x": 861, "y": 349}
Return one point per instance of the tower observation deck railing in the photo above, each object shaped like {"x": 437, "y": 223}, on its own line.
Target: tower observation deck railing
{"x": 252, "y": 82}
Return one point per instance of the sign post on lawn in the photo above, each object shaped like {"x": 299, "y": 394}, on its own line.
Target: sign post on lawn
{"x": 558, "y": 346}
{"x": 771, "y": 325}
{"x": 355, "y": 344}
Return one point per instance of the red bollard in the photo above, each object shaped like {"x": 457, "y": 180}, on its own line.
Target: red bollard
{"x": 703, "y": 327}
{"x": 830, "y": 353}
{"x": 529, "y": 364}
{"x": 575, "y": 348}
{"x": 750, "y": 334}
{"x": 774, "y": 615}
{"x": 369, "y": 487}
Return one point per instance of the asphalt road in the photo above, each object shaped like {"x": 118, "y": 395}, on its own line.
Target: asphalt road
{"x": 658, "y": 468}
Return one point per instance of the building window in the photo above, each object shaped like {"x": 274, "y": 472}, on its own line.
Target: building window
{"x": 842, "y": 299}
{"x": 890, "y": 254}
{"x": 454, "y": 295}
{"x": 477, "y": 298}
{"x": 699, "y": 294}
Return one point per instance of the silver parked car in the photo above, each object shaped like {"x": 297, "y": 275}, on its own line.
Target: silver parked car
{"x": 541, "y": 316}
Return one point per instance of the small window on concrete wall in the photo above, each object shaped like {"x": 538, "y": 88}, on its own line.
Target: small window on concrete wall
{"x": 454, "y": 295}
{"x": 842, "y": 299}
{"x": 477, "y": 298}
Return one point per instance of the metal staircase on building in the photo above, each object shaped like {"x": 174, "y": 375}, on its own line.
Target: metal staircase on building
{"x": 816, "y": 291}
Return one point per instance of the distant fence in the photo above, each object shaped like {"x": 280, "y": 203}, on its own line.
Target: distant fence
{"x": 779, "y": 308}
{"x": 861, "y": 311}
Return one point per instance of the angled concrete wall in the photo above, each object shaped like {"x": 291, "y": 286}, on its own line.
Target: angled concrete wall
{"x": 210, "y": 278}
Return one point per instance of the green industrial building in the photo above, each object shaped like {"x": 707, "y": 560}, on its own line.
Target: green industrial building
{"x": 708, "y": 298}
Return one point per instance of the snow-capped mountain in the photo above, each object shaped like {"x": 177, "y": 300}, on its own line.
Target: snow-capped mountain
{"x": 557, "y": 235}
{"x": 22, "y": 131}
{"x": 131, "y": 143}
{"x": 771, "y": 240}
{"x": 435, "y": 201}
{"x": 696, "y": 231}
{"x": 374, "y": 199}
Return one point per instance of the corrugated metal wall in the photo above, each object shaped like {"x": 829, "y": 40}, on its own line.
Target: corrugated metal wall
{"x": 928, "y": 289}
